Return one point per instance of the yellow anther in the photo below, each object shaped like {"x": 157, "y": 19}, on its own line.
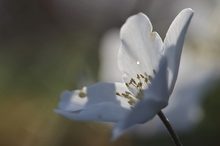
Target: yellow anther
{"x": 127, "y": 84}
{"x": 128, "y": 93}
{"x": 131, "y": 102}
{"x": 132, "y": 81}
{"x": 139, "y": 84}
{"x": 146, "y": 80}
{"x": 142, "y": 76}
{"x": 125, "y": 95}
{"x": 82, "y": 94}
{"x": 118, "y": 94}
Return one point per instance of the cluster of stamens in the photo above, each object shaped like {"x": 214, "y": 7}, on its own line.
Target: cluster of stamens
{"x": 139, "y": 83}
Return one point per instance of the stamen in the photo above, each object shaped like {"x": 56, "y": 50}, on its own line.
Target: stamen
{"x": 140, "y": 95}
{"x": 132, "y": 102}
{"x": 118, "y": 94}
{"x": 138, "y": 76}
{"x": 127, "y": 84}
{"x": 132, "y": 81}
{"x": 128, "y": 93}
{"x": 139, "y": 85}
{"x": 142, "y": 76}
{"x": 82, "y": 94}
{"x": 150, "y": 77}
{"x": 125, "y": 95}
{"x": 130, "y": 97}
{"x": 146, "y": 80}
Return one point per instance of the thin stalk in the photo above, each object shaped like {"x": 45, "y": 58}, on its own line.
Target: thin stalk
{"x": 172, "y": 133}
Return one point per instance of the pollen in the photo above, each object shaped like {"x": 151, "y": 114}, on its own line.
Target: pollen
{"x": 138, "y": 76}
{"x": 127, "y": 84}
{"x": 138, "y": 83}
{"x": 132, "y": 102}
{"x": 118, "y": 94}
{"x": 126, "y": 92}
{"x": 82, "y": 94}
{"x": 142, "y": 76}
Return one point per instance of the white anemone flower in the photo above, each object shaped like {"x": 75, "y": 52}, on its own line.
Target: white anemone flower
{"x": 149, "y": 67}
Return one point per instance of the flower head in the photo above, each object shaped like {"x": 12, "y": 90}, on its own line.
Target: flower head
{"x": 150, "y": 68}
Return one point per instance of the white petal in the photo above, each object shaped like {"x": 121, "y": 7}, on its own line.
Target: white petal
{"x": 173, "y": 44}
{"x": 97, "y": 102}
{"x": 155, "y": 98}
{"x": 70, "y": 101}
{"x": 140, "y": 49}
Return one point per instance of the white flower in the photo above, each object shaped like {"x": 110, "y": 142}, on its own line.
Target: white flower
{"x": 149, "y": 66}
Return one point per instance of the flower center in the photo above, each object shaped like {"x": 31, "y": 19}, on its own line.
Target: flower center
{"x": 136, "y": 86}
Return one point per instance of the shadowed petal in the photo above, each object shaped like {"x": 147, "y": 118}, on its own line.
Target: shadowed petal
{"x": 155, "y": 99}
{"x": 140, "y": 49}
{"x": 97, "y": 102}
{"x": 173, "y": 44}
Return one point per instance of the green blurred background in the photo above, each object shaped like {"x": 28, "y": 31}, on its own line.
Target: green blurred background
{"x": 47, "y": 46}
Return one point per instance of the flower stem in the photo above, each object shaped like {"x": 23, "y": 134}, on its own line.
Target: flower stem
{"x": 167, "y": 124}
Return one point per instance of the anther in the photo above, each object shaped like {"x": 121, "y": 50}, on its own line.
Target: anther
{"x": 139, "y": 84}
{"x": 118, "y": 94}
{"x": 128, "y": 93}
{"x": 82, "y": 94}
{"x": 127, "y": 84}
{"x": 132, "y": 81}
{"x": 150, "y": 77}
{"x": 142, "y": 76}
{"x": 146, "y": 80}
{"x": 125, "y": 95}
{"x": 131, "y": 102}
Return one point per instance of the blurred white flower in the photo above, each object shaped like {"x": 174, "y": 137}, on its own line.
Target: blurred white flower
{"x": 110, "y": 43}
{"x": 149, "y": 67}
{"x": 205, "y": 34}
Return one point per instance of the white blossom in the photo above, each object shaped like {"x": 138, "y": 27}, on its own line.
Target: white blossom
{"x": 149, "y": 69}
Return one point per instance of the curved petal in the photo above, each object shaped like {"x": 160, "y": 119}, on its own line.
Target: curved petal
{"x": 97, "y": 102}
{"x": 155, "y": 99}
{"x": 173, "y": 44}
{"x": 140, "y": 49}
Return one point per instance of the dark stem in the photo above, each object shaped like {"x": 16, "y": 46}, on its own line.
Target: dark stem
{"x": 172, "y": 133}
